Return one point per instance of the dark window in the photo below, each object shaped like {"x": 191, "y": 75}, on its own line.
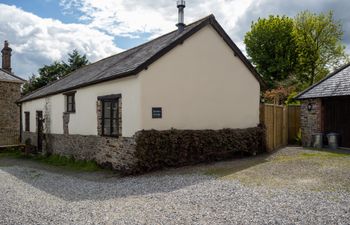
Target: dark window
{"x": 70, "y": 102}
{"x": 110, "y": 119}
{"x": 26, "y": 121}
{"x": 156, "y": 113}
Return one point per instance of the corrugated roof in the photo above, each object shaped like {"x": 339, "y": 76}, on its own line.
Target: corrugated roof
{"x": 8, "y": 77}
{"x": 132, "y": 61}
{"x": 335, "y": 84}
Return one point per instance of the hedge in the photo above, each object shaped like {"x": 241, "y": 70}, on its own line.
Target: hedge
{"x": 173, "y": 148}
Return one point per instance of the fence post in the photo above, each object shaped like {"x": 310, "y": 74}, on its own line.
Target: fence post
{"x": 285, "y": 125}
{"x": 274, "y": 122}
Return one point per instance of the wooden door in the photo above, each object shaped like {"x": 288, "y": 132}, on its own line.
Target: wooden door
{"x": 39, "y": 128}
{"x": 337, "y": 118}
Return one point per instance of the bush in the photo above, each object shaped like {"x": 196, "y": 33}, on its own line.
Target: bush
{"x": 29, "y": 148}
{"x": 172, "y": 148}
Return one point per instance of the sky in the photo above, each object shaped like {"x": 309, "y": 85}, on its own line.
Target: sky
{"x": 43, "y": 31}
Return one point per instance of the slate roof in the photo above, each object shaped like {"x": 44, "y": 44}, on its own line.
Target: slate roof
{"x": 133, "y": 61}
{"x": 9, "y": 77}
{"x": 335, "y": 84}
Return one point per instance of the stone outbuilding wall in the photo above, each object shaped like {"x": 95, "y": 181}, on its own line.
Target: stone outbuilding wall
{"x": 9, "y": 113}
{"x": 112, "y": 152}
{"x": 311, "y": 120}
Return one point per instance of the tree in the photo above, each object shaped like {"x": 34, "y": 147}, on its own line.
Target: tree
{"x": 55, "y": 71}
{"x": 319, "y": 46}
{"x": 75, "y": 61}
{"x": 271, "y": 47}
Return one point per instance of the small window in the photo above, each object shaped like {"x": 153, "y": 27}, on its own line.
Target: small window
{"x": 70, "y": 99}
{"x": 26, "y": 121}
{"x": 156, "y": 113}
{"x": 110, "y": 118}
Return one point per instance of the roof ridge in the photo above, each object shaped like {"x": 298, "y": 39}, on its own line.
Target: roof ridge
{"x": 120, "y": 53}
{"x": 143, "y": 44}
{"x": 322, "y": 80}
{"x": 136, "y": 59}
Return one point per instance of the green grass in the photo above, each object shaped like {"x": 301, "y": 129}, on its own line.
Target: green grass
{"x": 324, "y": 155}
{"x": 10, "y": 153}
{"x": 53, "y": 160}
{"x": 320, "y": 154}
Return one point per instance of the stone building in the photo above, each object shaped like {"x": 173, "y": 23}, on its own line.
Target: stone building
{"x": 326, "y": 108}
{"x": 10, "y": 92}
{"x": 192, "y": 78}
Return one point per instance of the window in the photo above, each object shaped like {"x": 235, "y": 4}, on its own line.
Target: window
{"x": 110, "y": 118}
{"x": 26, "y": 121}
{"x": 70, "y": 99}
{"x": 156, "y": 113}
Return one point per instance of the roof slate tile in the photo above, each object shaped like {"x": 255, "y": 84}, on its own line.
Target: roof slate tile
{"x": 336, "y": 84}
{"x": 130, "y": 62}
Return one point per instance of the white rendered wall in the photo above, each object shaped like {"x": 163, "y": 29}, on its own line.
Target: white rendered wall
{"x": 84, "y": 120}
{"x": 52, "y": 104}
{"x": 200, "y": 85}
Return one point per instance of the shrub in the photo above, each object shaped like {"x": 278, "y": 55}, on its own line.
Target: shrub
{"x": 172, "y": 148}
{"x": 29, "y": 148}
{"x": 298, "y": 138}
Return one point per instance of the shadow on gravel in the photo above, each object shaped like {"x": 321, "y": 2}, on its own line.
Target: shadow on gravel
{"x": 81, "y": 186}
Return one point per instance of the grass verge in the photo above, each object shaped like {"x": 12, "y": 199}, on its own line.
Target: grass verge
{"x": 325, "y": 155}
{"x": 53, "y": 160}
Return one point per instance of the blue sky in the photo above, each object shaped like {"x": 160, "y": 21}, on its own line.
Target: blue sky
{"x": 53, "y": 9}
{"x": 43, "y": 8}
{"x": 43, "y": 31}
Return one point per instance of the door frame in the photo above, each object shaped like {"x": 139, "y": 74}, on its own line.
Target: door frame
{"x": 39, "y": 129}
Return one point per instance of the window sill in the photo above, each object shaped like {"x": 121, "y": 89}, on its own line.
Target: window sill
{"x": 111, "y": 136}
{"x": 70, "y": 112}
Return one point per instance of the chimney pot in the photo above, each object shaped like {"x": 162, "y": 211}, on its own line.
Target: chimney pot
{"x": 6, "y": 57}
{"x": 181, "y": 4}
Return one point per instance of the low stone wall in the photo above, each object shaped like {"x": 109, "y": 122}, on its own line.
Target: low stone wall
{"x": 117, "y": 153}
{"x": 311, "y": 120}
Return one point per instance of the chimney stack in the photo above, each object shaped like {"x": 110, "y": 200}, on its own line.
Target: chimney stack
{"x": 6, "y": 57}
{"x": 181, "y": 4}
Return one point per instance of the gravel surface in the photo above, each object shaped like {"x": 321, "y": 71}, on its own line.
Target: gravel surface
{"x": 38, "y": 196}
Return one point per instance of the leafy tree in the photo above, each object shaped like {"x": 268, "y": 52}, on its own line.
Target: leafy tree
{"x": 271, "y": 47}
{"x": 75, "y": 61}
{"x": 319, "y": 46}
{"x": 55, "y": 71}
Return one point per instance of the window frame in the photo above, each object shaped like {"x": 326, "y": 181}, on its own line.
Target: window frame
{"x": 72, "y": 104}
{"x": 113, "y": 131}
{"x": 27, "y": 121}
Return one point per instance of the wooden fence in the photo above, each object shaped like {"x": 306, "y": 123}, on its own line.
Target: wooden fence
{"x": 293, "y": 123}
{"x": 9, "y": 138}
{"x": 282, "y": 124}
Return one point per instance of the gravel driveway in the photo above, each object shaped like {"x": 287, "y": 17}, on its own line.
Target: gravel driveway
{"x": 292, "y": 186}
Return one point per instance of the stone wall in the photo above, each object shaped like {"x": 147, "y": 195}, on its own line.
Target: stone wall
{"x": 117, "y": 153}
{"x": 9, "y": 113}
{"x": 311, "y": 120}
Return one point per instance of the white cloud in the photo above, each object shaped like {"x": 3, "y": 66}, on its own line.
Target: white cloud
{"x": 130, "y": 17}
{"x": 36, "y": 41}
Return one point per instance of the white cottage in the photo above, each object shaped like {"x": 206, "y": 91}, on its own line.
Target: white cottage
{"x": 192, "y": 78}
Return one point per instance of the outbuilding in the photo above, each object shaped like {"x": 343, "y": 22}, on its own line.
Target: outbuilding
{"x": 10, "y": 91}
{"x": 192, "y": 78}
{"x": 326, "y": 107}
